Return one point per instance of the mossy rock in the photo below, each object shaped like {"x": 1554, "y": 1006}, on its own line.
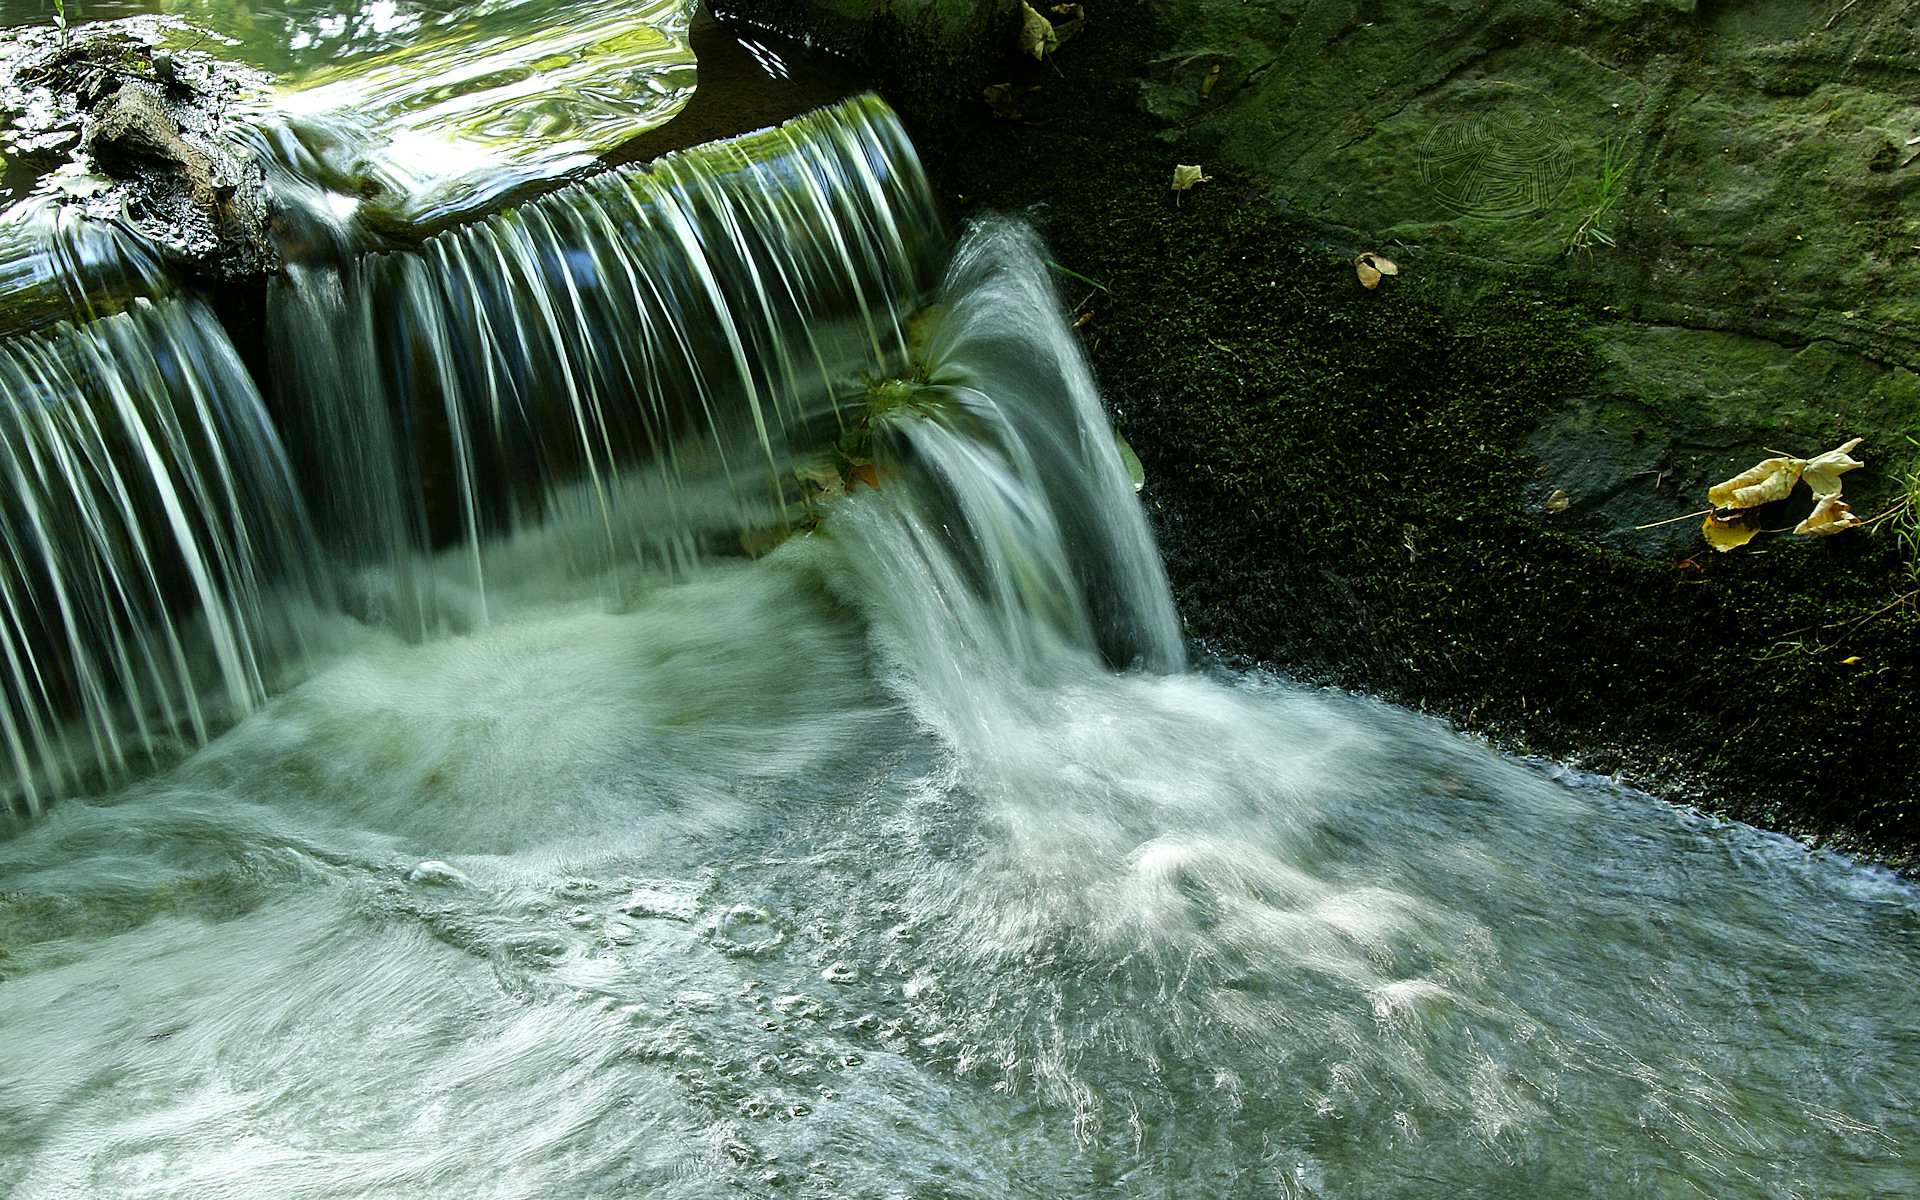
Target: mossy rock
{"x": 1765, "y": 192}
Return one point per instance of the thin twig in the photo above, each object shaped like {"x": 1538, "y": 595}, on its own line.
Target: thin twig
{"x": 1670, "y": 520}
{"x": 1896, "y": 602}
{"x": 1839, "y": 12}
{"x": 1888, "y": 515}
{"x": 1082, "y": 278}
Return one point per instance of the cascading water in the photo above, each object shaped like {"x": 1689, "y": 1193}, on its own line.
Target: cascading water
{"x": 906, "y": 859}
{"x": 141, "y": 480}
{"x": 672, "y": 335}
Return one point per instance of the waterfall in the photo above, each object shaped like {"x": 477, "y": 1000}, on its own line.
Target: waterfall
{"x": 710, "y": 313}
{"x": 146, "y": 511}
{"x": 671, "y": 692}
{"x": 1010, "y": 531}
{"x": 649, "y": 368}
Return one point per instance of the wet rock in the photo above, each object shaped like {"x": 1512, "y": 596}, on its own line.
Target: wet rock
{"x": 925, "y": 55}
{"x": 132, "y": 130}
{"x": 148, "y": 140}
{"x": 1763, "y": 188}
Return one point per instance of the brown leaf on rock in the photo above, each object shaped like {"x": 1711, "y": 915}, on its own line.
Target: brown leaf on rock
{"x": 1372, "y": 268}
{"x": 1036, "y": 32}
{"x": 1829, "y": 516}
{"x": 826, "y": 481}
{"x": 1736, "y": 529}
{"x": 1760, "y": 484}
{"x": 1823, "y": 471}
{"x": 1557, "y": 502}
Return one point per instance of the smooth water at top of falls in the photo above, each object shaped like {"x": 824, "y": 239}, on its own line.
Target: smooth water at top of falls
{"x": 435, "y": 107}
{"x": 595, "y": 858}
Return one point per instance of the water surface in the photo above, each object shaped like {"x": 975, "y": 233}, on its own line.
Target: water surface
{"x": 857, "y": 870}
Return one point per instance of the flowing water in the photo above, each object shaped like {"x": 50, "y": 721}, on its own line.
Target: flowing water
{"x": 703, "y": 717}
{"x": 439, "y": 107}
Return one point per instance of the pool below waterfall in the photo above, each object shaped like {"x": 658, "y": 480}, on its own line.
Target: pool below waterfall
{"x": 671, "y": 692}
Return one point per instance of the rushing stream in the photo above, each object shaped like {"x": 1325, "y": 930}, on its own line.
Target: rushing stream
{"x": 687, "y": 706}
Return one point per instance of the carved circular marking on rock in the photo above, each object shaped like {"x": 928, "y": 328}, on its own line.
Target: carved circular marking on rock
{"x": 1508, "y": 157}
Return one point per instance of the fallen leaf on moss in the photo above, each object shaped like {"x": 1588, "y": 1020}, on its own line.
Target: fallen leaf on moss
{"x": 1185, "y": 177}
{"x": 1075, "y": 20}
{"x": 1737, "y": 529}
{"x": 1212, "y": 78}
{"x": 1372, "y": 268}
{"x": 826, "y": 480}
{"x": 1829, "y": 516}
{"x": 1557, "y": 502}
{"x": 1823, "y": 471}
{"x": 1759, "y": 484}
{"x": 1036, "y": 32}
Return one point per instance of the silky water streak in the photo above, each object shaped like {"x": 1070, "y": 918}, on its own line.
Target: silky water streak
{"x": 148, "y": 519}
{"x": 640, "y": 356}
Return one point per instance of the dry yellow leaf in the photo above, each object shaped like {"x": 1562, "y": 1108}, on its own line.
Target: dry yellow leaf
{"x": 1823, "y": 471}
{"x": 1185, "y": 177}
{"x": 1760, "y": 484}
{"x": 1737, "y": 529}
{"x": 1830, "y": 515}
{"x": 1036, "y": 32}
{"x": 1372, "y": 268}
{"x": 1074, "y": 19}
{"x": 1557, "y": 502}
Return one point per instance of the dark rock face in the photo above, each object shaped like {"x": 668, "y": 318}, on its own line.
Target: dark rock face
{"x": 207, "y": 204}
{"x": 1740, "y": 176}
{"x": 132, "y": 129}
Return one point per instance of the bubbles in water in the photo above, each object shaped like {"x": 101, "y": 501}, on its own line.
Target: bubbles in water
{"x": 745, "y": 930}
{"x": 438, "y": 874}
{"x": 667, "y": 899}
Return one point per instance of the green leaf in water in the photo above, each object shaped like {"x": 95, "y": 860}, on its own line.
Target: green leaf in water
{"x": 1130, "y": 460}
